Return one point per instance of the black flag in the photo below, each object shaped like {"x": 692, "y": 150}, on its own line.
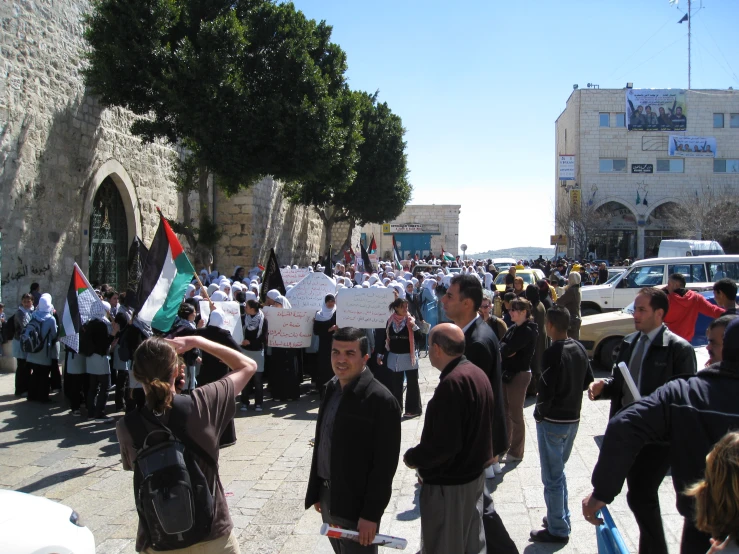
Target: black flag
{"x": 136, "y": 259}
{"x": 271, "y": 278}
{"x": 684, "y": 18}
{"x": 329, "y": 269}
{"x": 365, "y": 259}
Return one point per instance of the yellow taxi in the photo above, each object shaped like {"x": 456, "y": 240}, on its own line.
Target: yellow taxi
{"x": 530, "y": 277}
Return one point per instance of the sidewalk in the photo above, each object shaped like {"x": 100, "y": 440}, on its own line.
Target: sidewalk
{"x": 45, "y": 451}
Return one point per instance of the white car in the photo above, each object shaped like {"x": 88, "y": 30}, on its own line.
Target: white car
{"x": 36, "y": 525}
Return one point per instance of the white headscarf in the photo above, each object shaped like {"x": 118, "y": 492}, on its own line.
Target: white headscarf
{"x": 212, "y": 288}
{"x": 488, "y": 280}
{"x": 217, "y": 319}
{"x": 249, "y": 295}
{"x": 275, "y": 296}
{"x": 326, "y": 313}
{"x": 219, "y": 296}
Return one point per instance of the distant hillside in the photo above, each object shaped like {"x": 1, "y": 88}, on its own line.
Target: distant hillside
{"x": 519, "y": 253}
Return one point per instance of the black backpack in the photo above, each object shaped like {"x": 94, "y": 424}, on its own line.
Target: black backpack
{"x": 87, "y": 345}
{"x": 32, "y": 339}
{"x": 174, "y": 500}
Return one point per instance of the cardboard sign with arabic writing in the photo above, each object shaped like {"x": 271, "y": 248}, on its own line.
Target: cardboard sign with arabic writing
{"x": 289, "y": 328}
{"x": 363, "y": 308}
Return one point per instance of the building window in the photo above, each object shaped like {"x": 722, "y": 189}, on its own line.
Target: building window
{"x": 605, "y": 120}
{"x": 726, "y": 166}
{"x": 734, "y": 120}
{"x": 612, "y": 166}
{"x": 620, "y": 120}
{"x": 718, "y": 121}
{"x": 670, "y": 166}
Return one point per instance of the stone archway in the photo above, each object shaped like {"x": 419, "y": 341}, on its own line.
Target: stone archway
{"x": 659, "y": 226}
{"x": 616, "y": 236}
{"x": 111, "y": 173}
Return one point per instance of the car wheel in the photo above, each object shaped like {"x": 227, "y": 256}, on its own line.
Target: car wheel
{"x": 607, "y": 354}
{"x": 588, "y": 310}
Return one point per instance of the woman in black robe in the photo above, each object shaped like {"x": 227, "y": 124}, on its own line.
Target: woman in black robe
{"x": 324, "y": 327}
{"x": 212, "y": 369}
{"x": 284, "y": 373}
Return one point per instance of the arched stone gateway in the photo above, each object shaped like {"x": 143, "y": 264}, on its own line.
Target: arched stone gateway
{"x": 616, "y": 234}
{"x": 659, "y": 227}
{"x": 111, "y": 220}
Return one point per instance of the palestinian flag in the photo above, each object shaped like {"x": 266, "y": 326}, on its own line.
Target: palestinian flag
{"x": 373, "y": 245}
{"x": 166, "y": 274}
{"x": 446, "y": 256}
{"x": 80, "y": 298}
{"x": 396, "y": 256}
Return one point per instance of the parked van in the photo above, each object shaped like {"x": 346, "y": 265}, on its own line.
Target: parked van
{"x": 685, "y": 247}
{"x": 700, "y": 273}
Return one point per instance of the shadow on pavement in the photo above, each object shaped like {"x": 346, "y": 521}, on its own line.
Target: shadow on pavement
{"x": 415, "y": 512}
{"x": 55, "y": 479}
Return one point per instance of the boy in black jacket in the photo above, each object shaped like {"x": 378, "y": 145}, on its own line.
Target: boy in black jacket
{"x": 566, "y": 373}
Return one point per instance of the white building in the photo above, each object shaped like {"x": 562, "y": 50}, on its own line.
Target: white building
{"x": 420, "y": 229}
{"x": 628, "y": 175}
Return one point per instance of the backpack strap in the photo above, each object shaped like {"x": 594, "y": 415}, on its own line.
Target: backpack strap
{"x": 181, "y": 408}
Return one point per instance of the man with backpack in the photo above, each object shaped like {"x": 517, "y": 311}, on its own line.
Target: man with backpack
{"x": 171, "y": 444}
{"x": 38, "y": 343}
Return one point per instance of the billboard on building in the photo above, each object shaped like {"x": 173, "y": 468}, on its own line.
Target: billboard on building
{"x": 692, "y": 147}
{"x": 656, "y": 110}
{"x": 567, "y": 168}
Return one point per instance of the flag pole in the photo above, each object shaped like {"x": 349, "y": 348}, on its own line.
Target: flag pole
{"x": 202, "y": 287}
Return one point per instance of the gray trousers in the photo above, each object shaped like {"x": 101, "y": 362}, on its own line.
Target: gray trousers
{"x": 342, "y": 546}
{"x": 451, "y": 518}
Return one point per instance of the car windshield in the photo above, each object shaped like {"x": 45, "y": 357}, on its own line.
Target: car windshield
{"x": 502, "y": 267}
{"x": 528, "y": 278}
{"x": 629, "y": 310}
{"x": 613, "y": 277}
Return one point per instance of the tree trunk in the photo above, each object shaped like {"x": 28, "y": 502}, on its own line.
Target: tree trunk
{"x": 348, "y": 241}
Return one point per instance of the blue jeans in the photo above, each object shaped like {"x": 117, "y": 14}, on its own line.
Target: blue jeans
{"x": 555, "y": 446}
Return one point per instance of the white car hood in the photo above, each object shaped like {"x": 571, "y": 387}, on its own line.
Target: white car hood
{"x": 594, "y": 290}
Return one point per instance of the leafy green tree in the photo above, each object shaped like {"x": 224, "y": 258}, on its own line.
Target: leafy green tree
{"x": 251, "y": 86}
{"x": 377, "y": 188}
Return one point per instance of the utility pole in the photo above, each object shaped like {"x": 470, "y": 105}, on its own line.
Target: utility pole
{"x": 690, "y": 21}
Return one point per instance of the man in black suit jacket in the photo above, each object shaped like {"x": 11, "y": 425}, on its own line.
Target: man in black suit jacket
{"x": 461, "y": 302}
{"x": 357, "y": 446}
{"x": 654, "y": 355}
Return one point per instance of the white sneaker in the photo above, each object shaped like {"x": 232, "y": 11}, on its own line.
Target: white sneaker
{"x": 496, "y": 467}
{"x": 489, "y": 472}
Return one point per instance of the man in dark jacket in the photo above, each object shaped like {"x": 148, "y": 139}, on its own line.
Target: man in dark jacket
{"x": 653, "y": 355}
{"x": 456, "y": 446}
{"x": 691, "y": 416}
{"x": 357, "y": 445}
{"x": 566, "y": 373}
{"x": 461, "y": 302}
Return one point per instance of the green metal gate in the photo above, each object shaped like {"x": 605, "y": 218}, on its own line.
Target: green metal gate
{"x": 108, "y": 238}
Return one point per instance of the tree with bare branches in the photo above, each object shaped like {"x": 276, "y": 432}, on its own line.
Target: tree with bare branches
{"x": 578, "y": 222}
{"x": 709, "y": 213}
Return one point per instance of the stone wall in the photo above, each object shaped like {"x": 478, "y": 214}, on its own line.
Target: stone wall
{"x": 57, "y": 145}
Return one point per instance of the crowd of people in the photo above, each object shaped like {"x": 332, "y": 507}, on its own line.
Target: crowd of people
{"x": 493, "y": 345}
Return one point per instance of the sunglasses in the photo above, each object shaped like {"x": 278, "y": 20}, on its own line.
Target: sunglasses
{"x": 485, "y": 306}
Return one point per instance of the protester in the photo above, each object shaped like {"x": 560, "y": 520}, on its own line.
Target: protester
{"x": 724, "y": 291}
{"x": 253, "y": 345}
{"x": 184, "y": 322}
{"x": 20, "y": 320}
{"x": 691, "y": 415}
{"x": 39, "y": 363}
{"x": 517, "y": 350}
{"x": 400, "y": 355}
{"x": 462, "y": 302}
{"x": 75, "y": 380}
{"x": 96, "y": 336}
{"x": 197, "y": 421}
{"x": 121, "y": 367}
{"x": 456, "y": 446}
{"x": 539, "y": 314}
{"x": 571, "y": 299}
{"x": 685, "y": 306}
{"x": 717, "y": 496}
{"x": 356, "y": 448}
{"x": 284, "y": 376}
{"x": 715, "y": 338}
{"x": 653, "y": 355}
{"x": 324, "y": 328}
{"x": 486, "y": 313}
{"x": 566, "y": 374}
{"x": 35, "y": 293}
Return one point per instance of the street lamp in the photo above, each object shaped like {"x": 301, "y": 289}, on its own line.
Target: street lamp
{"x": 464, "y": 249}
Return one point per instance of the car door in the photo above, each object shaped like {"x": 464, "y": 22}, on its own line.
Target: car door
{"x": 636, "y": 279}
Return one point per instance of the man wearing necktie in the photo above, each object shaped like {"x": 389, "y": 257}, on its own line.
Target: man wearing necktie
{"x": 654, "y": 355}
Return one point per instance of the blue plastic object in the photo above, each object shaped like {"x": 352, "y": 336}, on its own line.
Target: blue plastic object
{"x": 609, "y": 537}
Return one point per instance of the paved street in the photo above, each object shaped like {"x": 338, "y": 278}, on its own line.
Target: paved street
{"x": 45, "y": 451}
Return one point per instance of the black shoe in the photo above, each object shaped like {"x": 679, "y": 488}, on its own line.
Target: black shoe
{"x": 543, "y": 535}
{"x": 545, "y": 522}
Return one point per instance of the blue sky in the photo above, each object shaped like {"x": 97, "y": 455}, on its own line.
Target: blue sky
{"x": 479, "y": 85}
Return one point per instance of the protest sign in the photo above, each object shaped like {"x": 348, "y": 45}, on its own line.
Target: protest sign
{"x": 363, "y": 308}
{"x": 231, "y": 318}
{"x": 309, "y": 293}
{"x": 289, "y": 328}
{"x": 291, "y": 276}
